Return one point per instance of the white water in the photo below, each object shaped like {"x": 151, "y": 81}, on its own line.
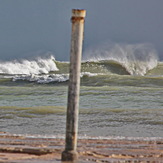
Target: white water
{"x": 37, "y": 66}
{"x": 85, "y": 137}
{"x": 42, "y": 79}
{"x": 48, "y": 78}
{"x": 138, "y": 59}
{"x": 35, "y": 71}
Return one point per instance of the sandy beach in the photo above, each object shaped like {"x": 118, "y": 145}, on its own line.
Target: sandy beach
{"x": 25, "y": 149}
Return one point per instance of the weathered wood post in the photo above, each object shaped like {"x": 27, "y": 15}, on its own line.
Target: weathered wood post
{"x": 70, "y": 153}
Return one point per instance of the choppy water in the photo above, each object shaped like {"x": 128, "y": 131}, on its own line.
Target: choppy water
{"x": 115, "y": 99}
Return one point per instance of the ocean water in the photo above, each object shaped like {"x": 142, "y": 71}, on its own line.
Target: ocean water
{"x": 117, "y": 97}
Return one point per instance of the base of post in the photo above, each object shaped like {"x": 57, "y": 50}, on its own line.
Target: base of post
{"x": 70, "y": 156}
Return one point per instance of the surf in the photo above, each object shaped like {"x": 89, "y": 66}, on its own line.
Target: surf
{"x": 137, "y": 59}
{"x": 28, "y": 67}
{"x": 107, "y": 64}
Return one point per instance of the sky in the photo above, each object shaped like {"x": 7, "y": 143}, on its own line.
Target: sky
{"x": 29, "y": 28}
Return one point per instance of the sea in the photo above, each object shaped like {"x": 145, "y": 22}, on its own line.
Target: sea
{"x": 119, "y": 96}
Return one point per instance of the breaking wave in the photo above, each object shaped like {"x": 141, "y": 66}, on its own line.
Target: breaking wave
{"x": 137, "y": 59}
{"x": 37, "y": 66}
{"x": 107, "y": 65}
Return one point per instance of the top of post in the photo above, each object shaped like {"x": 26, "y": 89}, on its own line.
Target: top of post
{"x": 78, "y": 13}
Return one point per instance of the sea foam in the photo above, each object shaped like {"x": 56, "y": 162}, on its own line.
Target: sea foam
{"x": 42, "y": 79}
{"x": 48, "y": 78}
{"x": 137, "y": 59}
{"x": 28, "y": 67}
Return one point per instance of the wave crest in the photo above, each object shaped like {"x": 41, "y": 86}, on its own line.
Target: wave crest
{"x": 37, "y": 66}
{"x": 137, "y": 59}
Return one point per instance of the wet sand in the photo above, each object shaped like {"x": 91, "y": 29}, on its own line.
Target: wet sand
{"x": 27, "y": 149}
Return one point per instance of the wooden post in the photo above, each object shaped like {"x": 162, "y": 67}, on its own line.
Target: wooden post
{"x": 70, "y": 153}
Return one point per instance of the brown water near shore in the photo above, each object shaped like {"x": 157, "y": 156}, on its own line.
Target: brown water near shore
{"x": 25, "y": 149}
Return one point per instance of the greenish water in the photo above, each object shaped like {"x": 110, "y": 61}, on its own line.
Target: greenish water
{"x": 104, "y": 111}
{"x": 113, "y": 102}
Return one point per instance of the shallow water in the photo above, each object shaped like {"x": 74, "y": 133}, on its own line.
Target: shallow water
{"x": 116, "y": 99}
{"x": 104, "y": 111}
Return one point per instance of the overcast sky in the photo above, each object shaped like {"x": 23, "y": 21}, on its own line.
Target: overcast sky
{"x": 33, "y": 27}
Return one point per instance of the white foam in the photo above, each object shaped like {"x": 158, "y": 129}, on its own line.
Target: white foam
{"x": 86, "y": 137}
{"x": 37, "y": 66}
{"x": 49, "y": 78}
{"x": 89, "y": 74}
{"x": 42, "y": 79}
{"x": 138, "y": 59}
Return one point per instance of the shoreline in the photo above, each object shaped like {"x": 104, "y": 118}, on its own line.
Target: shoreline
{"x": 45, "y": 136}
{"x": 43, "y": 149}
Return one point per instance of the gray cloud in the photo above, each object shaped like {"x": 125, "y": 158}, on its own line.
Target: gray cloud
{"x": 36, "y": 26}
